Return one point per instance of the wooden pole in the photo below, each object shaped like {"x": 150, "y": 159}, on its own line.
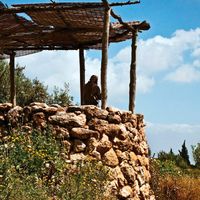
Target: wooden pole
{"x": 104, "y": 60}
{"x": 12, "y": 79}
{"x": 132, "y": 85}
{"x": 82, "y": 75}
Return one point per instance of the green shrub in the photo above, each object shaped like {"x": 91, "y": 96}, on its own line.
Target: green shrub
{"x": 32, "y": 166}
{"x": 196, "y": 154}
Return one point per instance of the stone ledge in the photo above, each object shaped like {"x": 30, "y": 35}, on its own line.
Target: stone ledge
{"x": 116, "y": 138}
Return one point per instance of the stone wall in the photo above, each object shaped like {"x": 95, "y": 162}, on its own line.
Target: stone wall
{"x": 115, "y": 138}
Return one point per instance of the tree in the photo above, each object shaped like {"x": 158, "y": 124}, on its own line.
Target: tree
{"x": 163, "y": 156}
{"x": 178, "y": 160}
{"x": 196, "y": 154}
{"x": 28, "y": 90}
{"x": 184, "y": 153}
{"x": 61, "y": 96}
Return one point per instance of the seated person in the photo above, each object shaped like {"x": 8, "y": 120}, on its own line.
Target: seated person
{"x": 92, "y": 92}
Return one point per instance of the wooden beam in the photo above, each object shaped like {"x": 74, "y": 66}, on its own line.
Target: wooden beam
{"x": 126, "y": 25}
{"x": 82, "y": 74}
{"x": 104, "y": 61}
{"x": 132, "y": 85}
{"x": 12, "y": 79}
{"x": 20, "y": 8}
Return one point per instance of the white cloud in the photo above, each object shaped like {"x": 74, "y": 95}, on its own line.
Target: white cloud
{"x": 157, "y": 54}
{"x": 196, "y": 52}
{"x": 174, "y": 128}
{"x": 171, "y": 55}
{"x": 185, "y": 74}
{"x": 145, "y": 83}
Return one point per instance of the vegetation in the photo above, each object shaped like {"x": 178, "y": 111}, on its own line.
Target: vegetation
{"x": 173, "y": 177}
{"x": 28, "y": 90}
{"x": 33, "y": 166}
{"x": 196, "y": 154}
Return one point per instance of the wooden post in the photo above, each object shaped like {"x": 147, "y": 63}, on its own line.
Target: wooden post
{"x": 82, "y": 75}
{"x": 104, "y": 60}
{"x": 12, "y": 79}
{"x": 132, "y": 85}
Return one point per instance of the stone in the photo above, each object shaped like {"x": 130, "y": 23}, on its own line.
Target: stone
{"x": 140, "y": 121}
{"x": 144, "y": 190}
{"x": 96, "y": 122}
{"x": 110, "y": 158}
{"x": 78, "y": 146}
{"x": 133, "y": 157}
{"x": 132, "y": 130}
{"x": 68, "y": 119}
{"x": 112, "y": 188}
{"x": 112, "y": 130}
{"x": 113, "y": 110}
{"x": 123, "y": 135}
{"x": 116, "y": 174}
{"x": 123, "y": 145}
{"x": 50, "y": 110}
{"x": 115, "y": 119}
{"x": 39, "y": 120}
{"x": 128, "y": 117}
{"x": 136, "y": 188}
{"x": 61, "y": 133}
{"x": 67, "y": 145}
{"x": 2, "y": 119}
{"x": 92, "y": 144}
{"x": 38, "y": 107}
{"x": 143, "y": 148}
{"x": 14, "y": 115}
{"x": 95, "y": 154}
{"x": 143, "y": 175}
{"x": 74, "y": 108}
{"x": 5, "y": 106}
{"x": 77, "y": 157}
{"x": 128, "y": 172}
{"x": 39, "y": 104}
{"x": 55, "y": 105}
{"x": 104, "y": 145}
{"x": 125, "y": 192}
{"x": 122, "y": 156}
{"x": 27, "y": 111}
{"x": 143, "y": 161}
{"x": 93, "y": 111}
{"x": 82, "y": 133}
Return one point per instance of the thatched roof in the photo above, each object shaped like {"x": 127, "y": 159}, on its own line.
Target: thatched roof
{"x": 57, "y": 26}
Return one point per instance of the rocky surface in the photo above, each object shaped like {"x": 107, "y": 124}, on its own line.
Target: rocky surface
{"x": 114, "y": 137}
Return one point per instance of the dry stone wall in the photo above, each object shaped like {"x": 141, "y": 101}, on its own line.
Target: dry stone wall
{"x": 115, "y": 138}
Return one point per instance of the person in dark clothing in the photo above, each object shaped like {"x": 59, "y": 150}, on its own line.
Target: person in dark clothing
{"x": 92, "y": 92}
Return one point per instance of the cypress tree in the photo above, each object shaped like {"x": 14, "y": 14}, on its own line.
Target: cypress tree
{"x": 184, "y": 153}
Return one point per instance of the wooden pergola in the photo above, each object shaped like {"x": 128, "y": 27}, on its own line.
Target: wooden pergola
{"x": 67, "y": 26}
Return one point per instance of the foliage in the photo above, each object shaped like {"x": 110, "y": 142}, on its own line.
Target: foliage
{"x": 173, "y": 178}
{"x": 196, "y": 154}
{"x": 184, "y": 153}
{"x": 170, "y": 182}
{"x": 176, "y": 159}
{"x": 61, "y": 96}
{"x": 28, "y": 90}
{"x": 33, "y": 166}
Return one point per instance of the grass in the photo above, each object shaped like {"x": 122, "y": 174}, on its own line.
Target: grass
{"x": 32, "y": 167}
{"x": 172, "y": 183}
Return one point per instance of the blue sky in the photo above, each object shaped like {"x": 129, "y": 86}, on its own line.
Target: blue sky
{"x": 168, "y": 70}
